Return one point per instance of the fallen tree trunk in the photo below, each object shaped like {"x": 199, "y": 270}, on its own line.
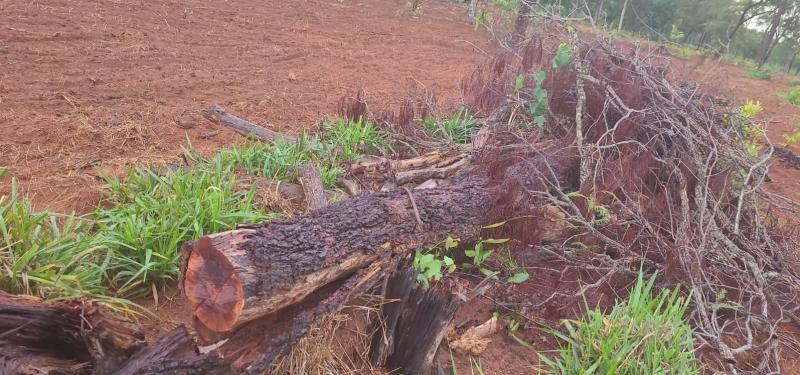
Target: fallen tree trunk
{"x": 235, "y": 277}
{"x": 68, "y": 337}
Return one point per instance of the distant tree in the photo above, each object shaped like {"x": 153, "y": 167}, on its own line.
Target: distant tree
{"x": 775, "y": 18}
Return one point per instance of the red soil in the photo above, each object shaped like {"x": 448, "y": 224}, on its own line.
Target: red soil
{"x": 88, "y": 84}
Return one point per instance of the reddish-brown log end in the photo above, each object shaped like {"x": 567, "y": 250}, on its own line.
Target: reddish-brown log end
{"x": 212, "y": 288}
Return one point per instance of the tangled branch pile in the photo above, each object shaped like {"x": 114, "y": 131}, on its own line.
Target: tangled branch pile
{"x": 657, "y": 175}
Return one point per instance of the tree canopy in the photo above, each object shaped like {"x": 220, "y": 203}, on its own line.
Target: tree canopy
{"x": 766, "y": 31}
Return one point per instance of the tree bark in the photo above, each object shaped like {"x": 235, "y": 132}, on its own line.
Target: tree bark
{"x": 521, "y": 23}
{"x": 766, "y": 41}
{"x": 235, "y": 277}
{"x": 244, "y": 127}
{"x": 414, "y": 323}
{"x": 68, "y": 337}
{"x": 473, "y": 5}
{"x": 174, "y": 353}
{"x": 622, "y": 16}
{"x": 313, "y": 190}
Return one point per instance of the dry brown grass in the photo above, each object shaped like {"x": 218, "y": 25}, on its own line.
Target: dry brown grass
{"x": 339, "y": 345}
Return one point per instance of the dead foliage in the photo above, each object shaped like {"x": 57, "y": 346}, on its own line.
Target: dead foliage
{"x": 644, "y": 173}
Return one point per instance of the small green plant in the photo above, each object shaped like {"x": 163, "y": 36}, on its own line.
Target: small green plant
{"x": 751, "y": 131}
{"x": 513, "y": 325}
{"x": 480, "y": 253}
{"x": 539, "y": 104}
{"x": 516, "y": 273}
{"x": 429, "y": 267}
{"x": 793, "y": 96}
{"x": 353, "y": 138}
{"x": 429, "y": 264}
{"x": 341, "y": 141}
{"x": 563, "y": 56}
{"x": 792, "y": 138}
{"x": 755, "y": 73}
{"x": 686, "y": 52}
{"x": 411, "y": 7}
{"x": 676, "y": 35}
{"x": 600, "y": 213}
{"x": 750, "y": 109}
{"x": 460, "y": 128}
{"x": 645, "y": 334}
{"x": 482, "y": 18}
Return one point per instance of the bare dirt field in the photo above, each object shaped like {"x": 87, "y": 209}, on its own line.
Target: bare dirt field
{"x": 86, "y": 84}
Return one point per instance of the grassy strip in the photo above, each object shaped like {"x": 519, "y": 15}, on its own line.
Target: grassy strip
{"x": 645, "y": 334}
{"x": 132, "y": 244}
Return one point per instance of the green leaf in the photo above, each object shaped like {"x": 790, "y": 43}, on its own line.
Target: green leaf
{"x": 563, "y": 55}
{"x": 539, "y": 77}
{"x": 450, "y": 243}
{"x": 519, "y": 277}
{"x": 519, "y": 83}
{"x": 488, "y": 273}
{"x": 495, "y": 225}
{"x": 495, "y": 240}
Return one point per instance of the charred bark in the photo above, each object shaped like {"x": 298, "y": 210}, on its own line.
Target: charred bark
{"x": 415, "y": 321}
{"x": 69, "y": 337}
{"x": 174, "y": 353}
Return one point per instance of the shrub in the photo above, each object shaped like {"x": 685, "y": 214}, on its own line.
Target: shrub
{"x": 793, "y": 96}
{"x": 645, "y": 334}
{"x": 761, "y": 74}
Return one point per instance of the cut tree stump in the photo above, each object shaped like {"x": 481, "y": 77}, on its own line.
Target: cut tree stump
{"x": 68, "y": 337}
{"x": 244, "y": 127}
{"x": 414, "y": 322}
{"x": 235, "y": 277}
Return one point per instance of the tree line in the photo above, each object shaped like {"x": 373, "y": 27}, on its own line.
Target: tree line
{"x": 766, "y": 31}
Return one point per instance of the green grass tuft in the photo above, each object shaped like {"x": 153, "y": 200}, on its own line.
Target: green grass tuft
{"x": 153, "y": 214}
{"x": 342, "y": 141}
{"x": 460, "y": 128}
{"x": 47, "y": 254}
{"x": 645, "y": 334}
{"x": 755, "y": 73}
{"x": 793, "y": 96}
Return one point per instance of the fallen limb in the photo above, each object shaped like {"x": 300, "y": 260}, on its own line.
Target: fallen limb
{"x": 174, "y": 353}
{"x": 244, "y": 127}
{"x": 65, "y": 337}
